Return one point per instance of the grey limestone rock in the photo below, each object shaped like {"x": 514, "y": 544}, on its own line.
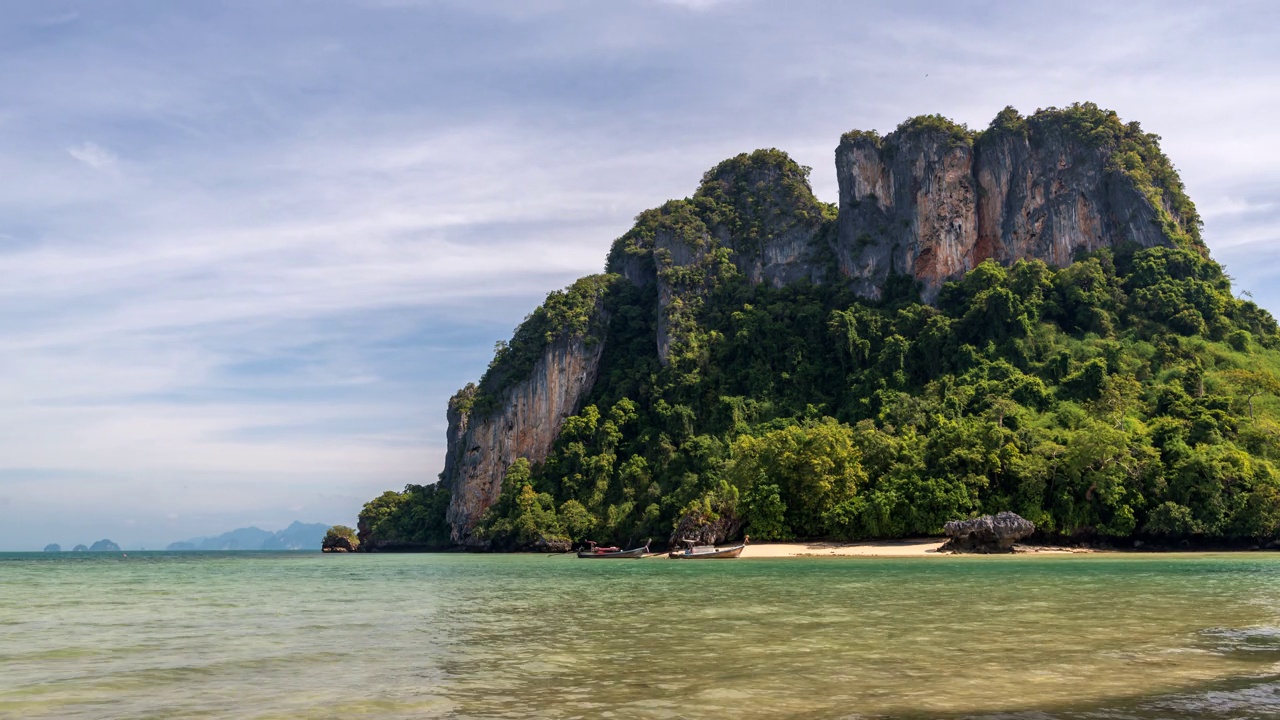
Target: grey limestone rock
{"x": 924, "y": 203}
{"x": 701, "y": 529}
{"x": 987, "y": 534}
{"x": 526, "y": 423}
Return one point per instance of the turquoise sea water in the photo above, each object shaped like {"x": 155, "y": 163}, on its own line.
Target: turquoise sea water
{"x": 285, "y": 635}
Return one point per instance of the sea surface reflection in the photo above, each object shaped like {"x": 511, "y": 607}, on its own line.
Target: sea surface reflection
{"x": 266, "y": 635}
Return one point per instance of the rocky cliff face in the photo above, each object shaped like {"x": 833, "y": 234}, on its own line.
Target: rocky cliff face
{"x": 933, "y": 200}
{"x": 907, "y": 205}
{"x": 525, "y": 424}
{"x": 1048, "y": 196}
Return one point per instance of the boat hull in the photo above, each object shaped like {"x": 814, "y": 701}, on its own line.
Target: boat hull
{"x": 717, "y": 554}
{"x": 633, "y": 553}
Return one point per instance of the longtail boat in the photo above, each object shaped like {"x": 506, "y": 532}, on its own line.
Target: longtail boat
{"x": 613, "y": 552}
{"x": 707, "y": 552}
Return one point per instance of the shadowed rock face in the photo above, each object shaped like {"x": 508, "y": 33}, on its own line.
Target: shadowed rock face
{"x": 526, "y": 423}
{"x": 697, "y": 529}
{"x": 907, "y": 206}
{"x": 924, "y": 203}
{"x": 987, "y": 534}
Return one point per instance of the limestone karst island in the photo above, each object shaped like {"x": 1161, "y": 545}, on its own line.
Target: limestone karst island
{"x": 1019, "y": 319}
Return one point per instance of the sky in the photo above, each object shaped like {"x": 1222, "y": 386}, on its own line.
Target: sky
{"x": 249, "y": 249}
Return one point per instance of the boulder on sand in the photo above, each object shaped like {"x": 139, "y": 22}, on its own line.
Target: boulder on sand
{"x": 706, "y": 524}
{"x": 987, "y": 534}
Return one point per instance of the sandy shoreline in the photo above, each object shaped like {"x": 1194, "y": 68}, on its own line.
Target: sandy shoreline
{"x": 884, "y": 548}
{"x": 915, "y": 547}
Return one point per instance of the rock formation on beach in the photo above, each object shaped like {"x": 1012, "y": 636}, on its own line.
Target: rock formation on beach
{"x": 987, "y": 534}
{"x": 701, "y": 528}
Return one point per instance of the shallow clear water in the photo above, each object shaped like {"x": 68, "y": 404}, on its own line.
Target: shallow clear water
{"x": 275, "y": 635}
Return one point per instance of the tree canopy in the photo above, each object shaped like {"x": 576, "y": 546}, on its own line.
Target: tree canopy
{"x": 1128, "y": 394}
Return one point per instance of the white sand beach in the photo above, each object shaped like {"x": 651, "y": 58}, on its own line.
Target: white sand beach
{"x": 883, "y": 548}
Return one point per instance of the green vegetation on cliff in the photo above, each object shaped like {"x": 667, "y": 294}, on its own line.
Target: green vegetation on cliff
{"x": 741, "y": 203}
{"x": 340, "y": 537}
{"x": 1112, "y": 397}
{"x": 410, "y": 520}
{"x": 565, "y": 312}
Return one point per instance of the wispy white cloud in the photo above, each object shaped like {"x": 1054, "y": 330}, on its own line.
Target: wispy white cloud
{"x": 50, "y": 21}
{"x": 696, "y": 4}
{"x": 95, "y": 156}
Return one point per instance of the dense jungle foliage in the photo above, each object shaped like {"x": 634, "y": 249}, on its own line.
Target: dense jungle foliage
{"x": 1130, "y": 394}
{"x": 410, "y": 520}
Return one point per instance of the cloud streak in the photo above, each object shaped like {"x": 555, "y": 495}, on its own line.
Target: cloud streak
{"x": 94, "y": 156}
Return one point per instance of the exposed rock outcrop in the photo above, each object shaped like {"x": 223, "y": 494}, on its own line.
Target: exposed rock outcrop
{"x": 339, "y": 539}
{"x": 907, "y": 205}
{"x": 525, "y": 424}
{"x": 701, "y": 527}
{"x": 53, "y": 547}
{"x": 767, "y": 215}
{"x": 987, "y": 534}
{"x": 931, "y": 201}
{"x": 104, "y": 545}
{"x": 753, "y": 215}
{"x": 551, "y": 545}
{"x": 338, "y": 545}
